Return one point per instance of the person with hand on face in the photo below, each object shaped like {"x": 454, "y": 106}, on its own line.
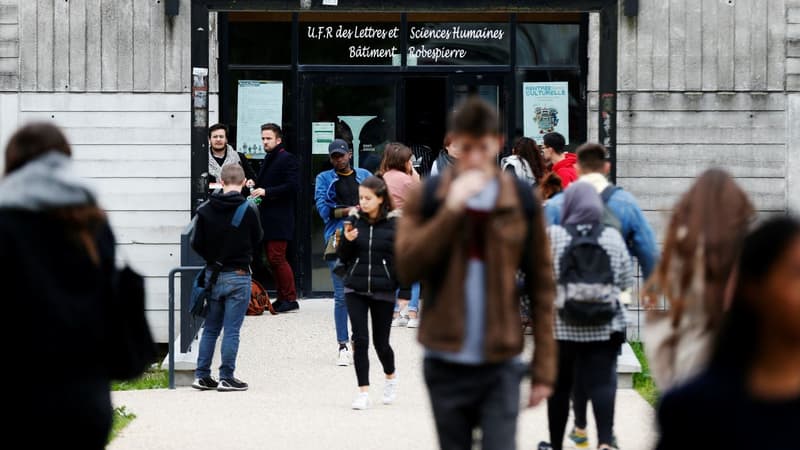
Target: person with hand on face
{"x": 277, "y": 184}
{"x": 221, "y": 153}
{"x": 562, "y": 162}
{"x": 370, "y": 286}
{"x": 335, "y": 194}
{"x": 447, "y": 157}
{"x": 465, "y": 235}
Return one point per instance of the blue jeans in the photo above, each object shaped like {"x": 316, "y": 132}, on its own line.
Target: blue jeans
{"x": 339, "y": 306}
{"x": 231, "y": 296}
{"x": 413, "y": 304}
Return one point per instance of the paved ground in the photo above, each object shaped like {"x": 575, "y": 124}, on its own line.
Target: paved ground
{"x": 300, "y": 400}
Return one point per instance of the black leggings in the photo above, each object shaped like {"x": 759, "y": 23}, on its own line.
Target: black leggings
{"x": 594, "y": 366}
{"x": 359, "y": 307}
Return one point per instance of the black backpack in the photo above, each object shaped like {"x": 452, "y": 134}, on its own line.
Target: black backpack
{"x": 586, "y": 279}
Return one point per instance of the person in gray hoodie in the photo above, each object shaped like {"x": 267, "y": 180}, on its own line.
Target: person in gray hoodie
{"x": 56, "y": 270}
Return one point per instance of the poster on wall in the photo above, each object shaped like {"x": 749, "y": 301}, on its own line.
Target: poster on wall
{"x": 322, "y": 134}
{"x": 259, "y": 102}
{"x": 545, "y": 109}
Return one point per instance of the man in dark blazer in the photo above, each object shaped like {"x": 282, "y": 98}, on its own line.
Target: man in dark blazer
{"x": 277, "y": 184}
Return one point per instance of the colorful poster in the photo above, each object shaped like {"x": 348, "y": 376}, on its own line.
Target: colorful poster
{"x": 322, "y": 134}
{"x": 545, "y": 109}
{"x": 260, "y": 102}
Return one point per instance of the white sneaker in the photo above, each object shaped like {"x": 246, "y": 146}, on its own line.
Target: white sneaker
{"x": 362, "y": 401}
{"x": 390, "y": 391}
{"x": 344, "y": 358}
{"x": 400, "y": 321}
{"x": 413, "y": 323}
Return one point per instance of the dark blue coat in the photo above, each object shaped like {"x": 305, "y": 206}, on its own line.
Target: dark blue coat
{"x": 279, "y": 177}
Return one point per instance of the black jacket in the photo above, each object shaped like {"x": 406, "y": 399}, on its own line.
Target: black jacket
{"x": 216, "y": 240}
{"x": 370, "y": 258}
{"x": 279, "y": 177}
{"x": 56, "y": 304}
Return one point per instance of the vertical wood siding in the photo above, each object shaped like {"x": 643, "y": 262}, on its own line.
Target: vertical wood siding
{"x": 94, "y": 46}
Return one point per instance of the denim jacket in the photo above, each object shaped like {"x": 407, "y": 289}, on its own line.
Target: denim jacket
{"x": 636, "y": 231}
{"x": 325, "y": 197}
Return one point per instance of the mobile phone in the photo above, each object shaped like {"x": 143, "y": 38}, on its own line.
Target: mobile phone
{"x": 348, "y": 225}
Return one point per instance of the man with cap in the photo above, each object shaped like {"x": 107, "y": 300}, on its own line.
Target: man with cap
{"x": 335, "y": 194}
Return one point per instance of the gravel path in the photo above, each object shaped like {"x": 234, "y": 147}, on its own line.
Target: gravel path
{"x": 299, "y": 399}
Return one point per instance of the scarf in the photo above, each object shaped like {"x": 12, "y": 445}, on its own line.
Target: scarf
{"x": 214, "y": 168}
{"x": 48, "y": 182}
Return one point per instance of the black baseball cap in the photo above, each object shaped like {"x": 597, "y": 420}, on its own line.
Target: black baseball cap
{"x": 338, "y": 146}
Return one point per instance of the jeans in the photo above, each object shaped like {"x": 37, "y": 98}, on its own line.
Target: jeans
{"x": 466, "y": 397}
{"x": 593, "y": 365}
{"x": 339, "y": 306}
{"x": 282, "y": 271}
{"x": 361, "y": 307}
{"x": 230, "y": 298}
{"x": 413, "y": 305}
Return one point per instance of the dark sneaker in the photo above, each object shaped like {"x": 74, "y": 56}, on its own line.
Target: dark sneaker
{"x": 544, "y": 446}
{"x": 205, "y": 384}
{"x": 278, "y": 304}
{"x": 231, "y": 384}
{"x": 285, "y": 307}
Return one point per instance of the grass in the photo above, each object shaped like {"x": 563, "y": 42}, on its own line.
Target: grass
{"x": 643, "y": 382}
{"x": 152, "y": 379}
{"x": 121, "y": 420}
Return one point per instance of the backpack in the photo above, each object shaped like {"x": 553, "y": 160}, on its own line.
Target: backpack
{"x": 201, "y": 291}
{"x": 259, "y": 300}
{"x": 586, "y": 279}
{"x": 521, "y": 169}
{"x": 609, "y": 218}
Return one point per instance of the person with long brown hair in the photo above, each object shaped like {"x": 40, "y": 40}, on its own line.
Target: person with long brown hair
{"x": 57, "y": 270}
{"x": 400, "y": 177}
{"x": 749, "y": 395}
{"x": 702, "y": 244}
{"x": 526, "y": 161}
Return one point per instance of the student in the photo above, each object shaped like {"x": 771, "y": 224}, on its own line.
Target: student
{"x": 335, "y": 194}
{"x": 217, "y": 241}
{"x": 562, "y": 162}
{"x": 221, "y": 153}
{"x": 749, "y": 395}
{"x": 447, "y": 157}
{"x": 590, "y": 323}
{"x": 451, "y": 230}
{"x": 277, "y": 184}
{"x": 703, "y": 240}
{"x": 526, "y": 161}
{"x": 57, "y": 271}
{"x": 400, "y": 176}
{"x": 370, "y": 284}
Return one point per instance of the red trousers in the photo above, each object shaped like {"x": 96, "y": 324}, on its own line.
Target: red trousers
{"x": 281, "y": 270}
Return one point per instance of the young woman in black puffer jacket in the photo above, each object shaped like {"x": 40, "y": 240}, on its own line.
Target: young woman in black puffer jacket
{"x": 370, "y": 284}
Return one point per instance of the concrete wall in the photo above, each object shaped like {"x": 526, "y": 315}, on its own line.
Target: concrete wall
{"x": 9, "y": 45}
{"x": 703, "y": 84}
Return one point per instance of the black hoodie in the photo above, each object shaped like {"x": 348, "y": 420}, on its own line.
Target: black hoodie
{"x": 214, "y": 223}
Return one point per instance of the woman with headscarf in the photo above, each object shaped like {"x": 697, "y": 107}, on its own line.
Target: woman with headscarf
{"x": 592, "y": 267}
{"x": 703, "y": 240}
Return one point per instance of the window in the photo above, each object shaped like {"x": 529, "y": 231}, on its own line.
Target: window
{"x": 547, "y": 44}
{"x": 450, "y": 44}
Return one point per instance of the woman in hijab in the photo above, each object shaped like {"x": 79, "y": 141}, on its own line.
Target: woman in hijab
{"x": 592, "y": 267}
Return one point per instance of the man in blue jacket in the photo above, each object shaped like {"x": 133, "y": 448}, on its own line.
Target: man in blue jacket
{"x": 592, "y": 168}
{"x": 277, "y": 184}
{"x": 336, "y": 193}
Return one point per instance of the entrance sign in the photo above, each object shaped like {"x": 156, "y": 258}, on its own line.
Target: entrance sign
{"x": 322, "y": 134}
{"x": 259, "y": 102}
{"x": 349, "y": 43}
{"x": 545, "y": 109}
{"x": 459, "y": 43}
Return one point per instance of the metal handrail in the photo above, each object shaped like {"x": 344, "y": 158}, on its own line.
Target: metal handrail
{"x": 171, "y": 307}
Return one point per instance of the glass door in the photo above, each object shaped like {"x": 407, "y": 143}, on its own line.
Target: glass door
{"x": 359, "y": 109}
{"x": 490, "y": 87}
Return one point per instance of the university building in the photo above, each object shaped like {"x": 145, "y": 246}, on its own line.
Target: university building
{"x": 670, "y": 86}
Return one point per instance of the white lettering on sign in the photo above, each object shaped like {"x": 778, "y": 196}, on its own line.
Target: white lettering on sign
{"x": 429, "y": 50}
